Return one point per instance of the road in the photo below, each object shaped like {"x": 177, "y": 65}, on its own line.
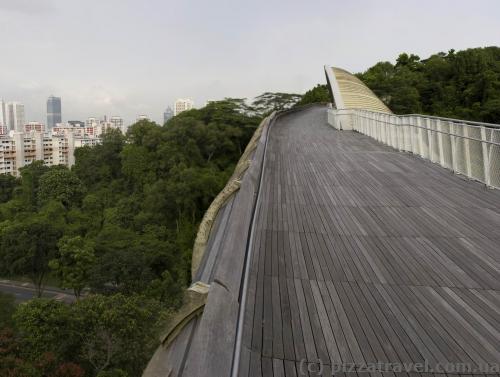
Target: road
{"x": 25, "y": 291}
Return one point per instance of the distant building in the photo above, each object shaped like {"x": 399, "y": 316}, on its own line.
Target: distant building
{"x": 78, "y": 130}
{"x": 2, "y": 113}
{"x": 143, "y": 117}
{"x": 182, "y": 104}
{"x": 90, "y": 122}
{"x": 53, "y": 111}
{"x": 101, "y": 126}
{"x": 14, "y": 116}
{"x": 167, "y": 114}
{"x": 76, "y": 123}
{"x": 22, "y": 149}
{"x": 117, "y": 122}
{"x": 34, "y": 127}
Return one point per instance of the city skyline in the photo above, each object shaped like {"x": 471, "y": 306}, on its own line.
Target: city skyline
{"x": 271, "y": 46}
{"x": 54, "y": 115}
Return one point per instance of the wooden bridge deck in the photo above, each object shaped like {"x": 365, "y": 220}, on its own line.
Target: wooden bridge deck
{"x": 364, "y": 255}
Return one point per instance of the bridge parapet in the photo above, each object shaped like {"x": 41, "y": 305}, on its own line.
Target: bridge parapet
{"x": 468, "y": 148}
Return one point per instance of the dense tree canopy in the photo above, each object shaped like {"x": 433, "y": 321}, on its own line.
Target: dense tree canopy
{"x": 463, "y": 84}
{"x": 318, "y": 94}
{"x": 120, "y": 224}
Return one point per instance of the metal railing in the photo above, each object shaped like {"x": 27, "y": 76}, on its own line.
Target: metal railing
{"x": 468, "y": 148}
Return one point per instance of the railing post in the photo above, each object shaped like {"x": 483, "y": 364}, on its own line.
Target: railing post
{"x": 453, "y": 143}
{"x": 439, "y": 128}
{"x": 467, "y": 151}
{"x": 392, "y": 127}
{"x": 420, "y": 136}
{"x": 371, "y": 120}
{"x": 486, "y": 157}
{"x": 402, "y": 133}
{"x": 430, "y": 140}
{"x": 384, "y": 128}
{"x": 377, "y": 126}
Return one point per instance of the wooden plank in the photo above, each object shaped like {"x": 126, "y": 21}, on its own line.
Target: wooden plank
{"x": 339, "y": 213}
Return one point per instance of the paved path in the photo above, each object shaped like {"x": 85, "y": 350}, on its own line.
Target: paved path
{"x": 25, "y": 291}
{"x": 364, "y": 255}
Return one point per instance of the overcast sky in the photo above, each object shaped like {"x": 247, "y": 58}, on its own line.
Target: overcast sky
{"x": 130, "y": 57}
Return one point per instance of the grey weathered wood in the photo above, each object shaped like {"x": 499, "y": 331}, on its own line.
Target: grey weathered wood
{"x": 361, "y": 254}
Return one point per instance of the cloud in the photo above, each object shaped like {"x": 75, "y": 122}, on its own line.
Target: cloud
{"x": 26, "y": 6}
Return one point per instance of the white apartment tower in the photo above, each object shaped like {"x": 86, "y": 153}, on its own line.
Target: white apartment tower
{"x": 14, "y": 116}
{"x": 117, "y": 122}
{"x": 182, "y": 104}
{"x": 2, "y": 113}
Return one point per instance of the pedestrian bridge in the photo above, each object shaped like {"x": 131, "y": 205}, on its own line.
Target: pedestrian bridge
{"x": 349, "y": 240}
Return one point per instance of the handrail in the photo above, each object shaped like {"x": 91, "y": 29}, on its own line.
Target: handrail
{"x": 454, "y": 120}
{"x": 431, "y": 130}
{"x": 468, "y": 148}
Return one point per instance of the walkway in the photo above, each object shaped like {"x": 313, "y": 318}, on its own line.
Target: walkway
{"x": 363, "y": 255}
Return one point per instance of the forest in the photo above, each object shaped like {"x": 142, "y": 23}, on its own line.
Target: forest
{"x": 457, "y": 84}
{"x": 116, "y": 230}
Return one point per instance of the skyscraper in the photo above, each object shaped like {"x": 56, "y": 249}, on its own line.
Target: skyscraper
{"x": 168, "y": 114}
{"x": 53, "y": 111}
{"x": 182, "y": 105}
{"x": 14, "y": 116}
{"x": 2, "y": 113}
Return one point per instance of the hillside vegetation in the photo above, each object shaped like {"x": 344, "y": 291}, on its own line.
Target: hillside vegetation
{"x": 463, "y": 84}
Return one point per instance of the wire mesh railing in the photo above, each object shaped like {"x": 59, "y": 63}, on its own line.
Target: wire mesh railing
{"x": 468, "y": 148}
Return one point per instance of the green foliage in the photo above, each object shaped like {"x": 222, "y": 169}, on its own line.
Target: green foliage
{"x": 30, "y": 183}
{"x": 14, "y": 364}
{"x": 74, "y": 262}
{"x": 464, "y": 84}
{"x": 26, "y": 247}
{"x": 45, "y": 327}
{"x": 121, "y": 222}
{"x": 119, "y": 331}
{"x": 101, "y": 333}
{"x": 318, "y": 94}
{"x": 7, "y": 308}
{"x": 7, "y": 185}
{"x": 268, "y": 102}
{"x": 62, "y": 185}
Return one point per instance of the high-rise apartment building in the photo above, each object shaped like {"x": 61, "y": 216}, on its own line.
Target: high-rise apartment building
{"x": 183, "y": 104}
{"x": 34, "y": 127}
{"x": 2, "y": 113}
{"x": 167, "y": 114}
{"x": 22, "y": 149}
{"x": 53, "y": 112}
{"x": 117, "y": 122}
{"x": 14, "y": 116}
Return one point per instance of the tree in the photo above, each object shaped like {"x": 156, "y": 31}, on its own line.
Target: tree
{"x": 30, "y": 181}
{"x": 463, "y": 84}
{"x": 116, "y": 331}
{"x": 60, "y": 184}
{"x": 7, "y": 185}
{"x": 74, "y": 263}
{"x": 46, "y": 326}
{"x": 7, "y": 308}
{"x": 11, "y": 363}
{"x": 27, "y": 247}
{"x": 268, "y": 102}
{"x": 318, "y": 94}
